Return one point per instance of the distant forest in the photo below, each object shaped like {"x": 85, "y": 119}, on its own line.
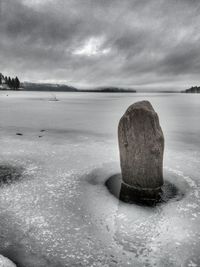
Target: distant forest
{"x": 193, "y": 89}
{"x": 9, "y": 83}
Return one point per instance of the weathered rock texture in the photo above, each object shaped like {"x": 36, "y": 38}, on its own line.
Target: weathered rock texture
{"x": 141, "y": 145}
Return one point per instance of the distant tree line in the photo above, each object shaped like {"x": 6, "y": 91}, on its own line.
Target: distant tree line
{"x": 193, "y": 89}
{"x": 11, "y": 83}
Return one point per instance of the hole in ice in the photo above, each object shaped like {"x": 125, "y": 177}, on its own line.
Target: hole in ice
{"x": 10, "y": 174}
{"x": 169, "y": 191}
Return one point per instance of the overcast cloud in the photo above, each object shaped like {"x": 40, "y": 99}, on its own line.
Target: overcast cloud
{"x": 86, "y": 43}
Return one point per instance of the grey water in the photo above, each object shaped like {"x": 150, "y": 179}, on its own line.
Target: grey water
{"x": 58, "y": 211}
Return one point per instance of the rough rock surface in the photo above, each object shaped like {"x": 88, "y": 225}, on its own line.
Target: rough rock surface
{"x": 141, "y": 145}
{"x": 5, "y": 262}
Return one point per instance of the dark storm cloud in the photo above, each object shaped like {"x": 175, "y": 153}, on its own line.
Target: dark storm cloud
{"x": 138, "y": 43}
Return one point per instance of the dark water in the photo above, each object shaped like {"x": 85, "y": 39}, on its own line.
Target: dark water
{"x": 168, "y": 192}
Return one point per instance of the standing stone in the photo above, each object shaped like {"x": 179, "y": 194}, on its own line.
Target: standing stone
{"x": 141, "y": 145}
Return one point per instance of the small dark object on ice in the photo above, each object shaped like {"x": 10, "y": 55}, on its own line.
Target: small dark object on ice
{"x": 54, "y": 98}
{"x": 19, "y": 134}
{"x": 40, "y": 136}
{"x": 42, "y": 130}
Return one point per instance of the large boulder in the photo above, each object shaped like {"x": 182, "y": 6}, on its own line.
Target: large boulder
{"x": 141, "y": 145}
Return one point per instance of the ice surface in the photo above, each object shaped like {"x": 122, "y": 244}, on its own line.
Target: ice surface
{"x": 59, "y": 213}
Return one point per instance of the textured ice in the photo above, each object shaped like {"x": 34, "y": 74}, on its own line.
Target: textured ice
{"x": 59, "y": 213}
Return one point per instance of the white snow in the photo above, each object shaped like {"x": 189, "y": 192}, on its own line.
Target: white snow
{"x": 5, "y": 262}
{"x": 61, "y": 214}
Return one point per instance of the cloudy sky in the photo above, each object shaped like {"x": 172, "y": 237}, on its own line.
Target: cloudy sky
{"x": 142, "y": 44}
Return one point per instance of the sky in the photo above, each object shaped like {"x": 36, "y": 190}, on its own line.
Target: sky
{"x": 141, "y": 44}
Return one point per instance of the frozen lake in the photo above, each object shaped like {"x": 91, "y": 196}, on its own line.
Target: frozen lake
{"x": 58, "y": 211}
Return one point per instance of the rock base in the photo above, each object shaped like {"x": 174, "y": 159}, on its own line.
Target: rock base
{"x": 146, "y": 196}
{"x": 173, "y": 189}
